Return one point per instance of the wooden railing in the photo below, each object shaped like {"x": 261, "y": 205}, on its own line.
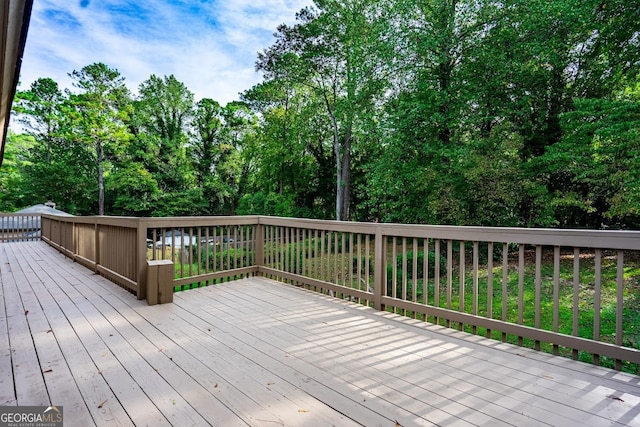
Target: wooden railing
{"x": 111, "y": 246}
{"x": 19, "y": 227}
{"x": 570, "y": 292}
{"x": 205, "y": 250}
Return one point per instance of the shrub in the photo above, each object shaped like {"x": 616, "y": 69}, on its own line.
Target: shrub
{"x": 431, "y": 261}
{"x": 419, "y": 258}
{"x": 363, "y": 265}
{"x": 242, "y": 258}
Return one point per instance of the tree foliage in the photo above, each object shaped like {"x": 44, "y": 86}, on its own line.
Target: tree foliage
{"x": 331, "y": 52}
{"x": 97, "y": 116}
{"x": 502, "y": 113}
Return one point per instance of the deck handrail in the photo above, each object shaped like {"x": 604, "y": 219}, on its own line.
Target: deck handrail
{"x": 19, "y": 227}
{"x": 497, "y": 281}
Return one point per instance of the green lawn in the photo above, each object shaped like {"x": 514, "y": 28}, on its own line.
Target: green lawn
{"x": 608, "y": 300}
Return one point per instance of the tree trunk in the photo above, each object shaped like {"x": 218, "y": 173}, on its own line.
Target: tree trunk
{"x": 339, "y": 186}
{"x": 346, "y": 177}
{"x": 445, "y": 70}
{"x": 100, "y": 179}
{"x": 337, "y": 149}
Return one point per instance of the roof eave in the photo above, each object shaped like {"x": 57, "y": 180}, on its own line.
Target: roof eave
{"x": 14, "y": 16}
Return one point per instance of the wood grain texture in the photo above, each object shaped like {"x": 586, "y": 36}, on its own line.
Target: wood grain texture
{"x": 258, "y": 352}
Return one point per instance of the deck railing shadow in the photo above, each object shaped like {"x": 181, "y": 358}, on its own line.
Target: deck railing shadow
{"x": 568, "y": 292}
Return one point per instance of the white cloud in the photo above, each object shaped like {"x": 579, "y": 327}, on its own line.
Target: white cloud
{"x": 210, "y": 46}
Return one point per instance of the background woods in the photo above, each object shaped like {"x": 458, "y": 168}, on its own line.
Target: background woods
{"x": 461, "y": 112}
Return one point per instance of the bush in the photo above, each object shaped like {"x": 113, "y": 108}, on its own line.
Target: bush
{"x": 363, "y": 265}
{"x": 242, "y": 258}
{"x": 292, "y": 251}
{"x": 483, "y": 247}
{"x": 273, "y": 204}
{"x": 431, "y": 262}
{"x": 332, "y": 246}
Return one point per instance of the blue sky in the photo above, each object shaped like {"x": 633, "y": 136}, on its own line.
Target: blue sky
{"x": 209, "y": 45}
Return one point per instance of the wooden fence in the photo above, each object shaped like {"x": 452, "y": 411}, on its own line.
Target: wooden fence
{"x": 19, "y": 227}
{"x": 569, "y": 292}
{"x": 110, "y": 246}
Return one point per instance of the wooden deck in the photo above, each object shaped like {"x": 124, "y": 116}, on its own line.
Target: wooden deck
{"x": 256, "y": 352}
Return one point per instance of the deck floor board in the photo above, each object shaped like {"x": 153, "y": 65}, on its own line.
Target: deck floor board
{"x": 255, "y": 352}
{"x": 370, "y": 369}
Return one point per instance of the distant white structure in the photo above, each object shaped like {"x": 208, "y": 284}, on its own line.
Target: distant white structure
{"x": 47, "y": 208}
{"x": 25, "y": 224}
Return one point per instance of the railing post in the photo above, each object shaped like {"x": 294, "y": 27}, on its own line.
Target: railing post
{"x": 379, "y": 270}
{"x": 259, "y": 260}
{"x": 160, "y": 281}
{"x": 96, "y": 243}
{"x": 142, "y": 259}
{"x": 75, "y": 239}
{"x": 68, "y": 245}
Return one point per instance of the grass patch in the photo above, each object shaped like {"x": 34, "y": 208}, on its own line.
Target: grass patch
{"x": 547, "y": 315}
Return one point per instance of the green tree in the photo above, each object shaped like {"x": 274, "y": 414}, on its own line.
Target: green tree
{"x": 429, "y": 117}
{"x": 40, "y": 111}
{"x": 598, "y": 161}
{"x": 332, "y": 51}
{"x": 134, "y": 190}
{"x": 207, "y": 137}
{"x": 476, "y": 79}
{"x": 163, "y": 110}
{"x": 290, "y": 155}
{"x": 217, "y": 137}
{"x": 99, "y": 122}
{"x": 55, "y": 166}
{"x": 13, "y": 183}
